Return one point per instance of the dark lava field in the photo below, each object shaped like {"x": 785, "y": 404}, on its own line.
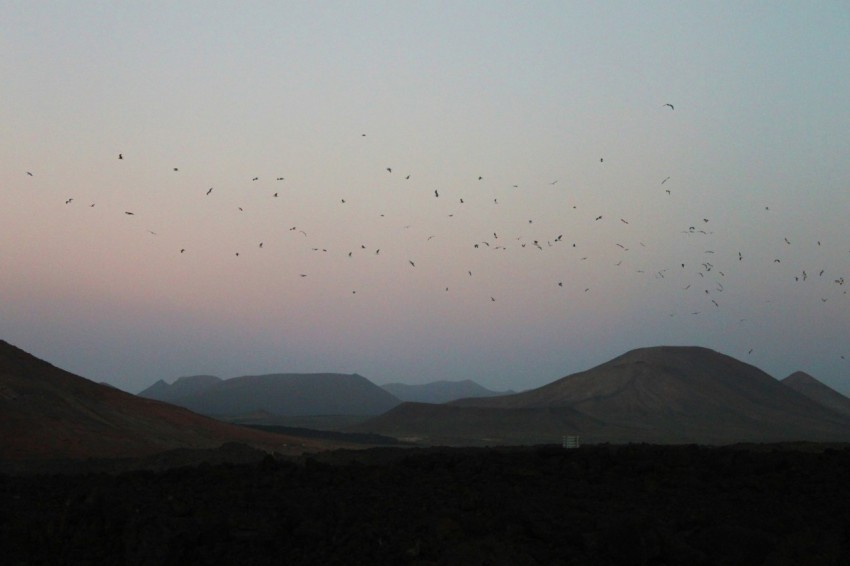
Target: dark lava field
{"x": 603, "y": 504}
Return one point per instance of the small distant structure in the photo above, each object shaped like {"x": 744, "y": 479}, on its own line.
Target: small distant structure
{"x": 570, "y": 441}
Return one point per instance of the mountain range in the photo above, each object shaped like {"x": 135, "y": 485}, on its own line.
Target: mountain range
{"x": 657, "y": 395}
{"x": 283, "y": 394}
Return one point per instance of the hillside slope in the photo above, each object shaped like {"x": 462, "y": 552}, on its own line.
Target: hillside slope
{"x": 49, "y": 413}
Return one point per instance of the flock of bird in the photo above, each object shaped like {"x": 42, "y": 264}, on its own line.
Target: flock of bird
{"x": 703, "y": 274}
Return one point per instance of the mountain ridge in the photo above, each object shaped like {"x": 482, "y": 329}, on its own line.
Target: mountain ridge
{"x": 280, "y": 394}
{"x": 441, "y": 391}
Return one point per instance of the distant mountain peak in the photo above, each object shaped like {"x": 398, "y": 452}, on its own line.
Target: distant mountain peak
{"x": 818, "y": 391}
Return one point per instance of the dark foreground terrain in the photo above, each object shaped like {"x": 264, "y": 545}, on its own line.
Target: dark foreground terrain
{"x": 633, "y": 504}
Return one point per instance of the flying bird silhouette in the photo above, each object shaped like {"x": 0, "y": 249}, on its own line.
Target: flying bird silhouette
{"x": 670, "y": 105}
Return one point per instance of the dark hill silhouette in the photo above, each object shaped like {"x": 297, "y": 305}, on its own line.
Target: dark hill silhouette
{"x": 817, "y": 391}
{"x": 182, "y": 387}
{"x": 451, "y": 425}
{"x": 285, "y": 395}
{"x": 49, "y": 413}
{"x": 438, "y": 391}
{"x": 659, "y": 395}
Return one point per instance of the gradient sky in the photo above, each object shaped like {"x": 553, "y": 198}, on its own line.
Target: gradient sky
{"x": 559, "y": 107}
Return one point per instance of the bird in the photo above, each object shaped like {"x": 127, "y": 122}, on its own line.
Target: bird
{"x": 128, "y": 213}
{"x": 120, "y": 156}
{"x": 279, "y": 179}
{"x": 389, "y": 169}
{"x": 209, "y": 191}
{"x": 176, "y": 169}
{"x": 28, "y": 173}
{"x": 665, "y": 180}
{"x": 182, "y": 250}
{"x": 671, "y": 106}
{"x": 411, "y": 263}
{"x": 255, "y": 179}
{"x": 436, "y": 193}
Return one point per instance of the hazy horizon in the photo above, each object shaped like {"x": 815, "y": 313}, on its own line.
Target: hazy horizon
{"x": 711, "y": 139}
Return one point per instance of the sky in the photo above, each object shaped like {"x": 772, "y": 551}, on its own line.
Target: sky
{"x": 507, "y": 192}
